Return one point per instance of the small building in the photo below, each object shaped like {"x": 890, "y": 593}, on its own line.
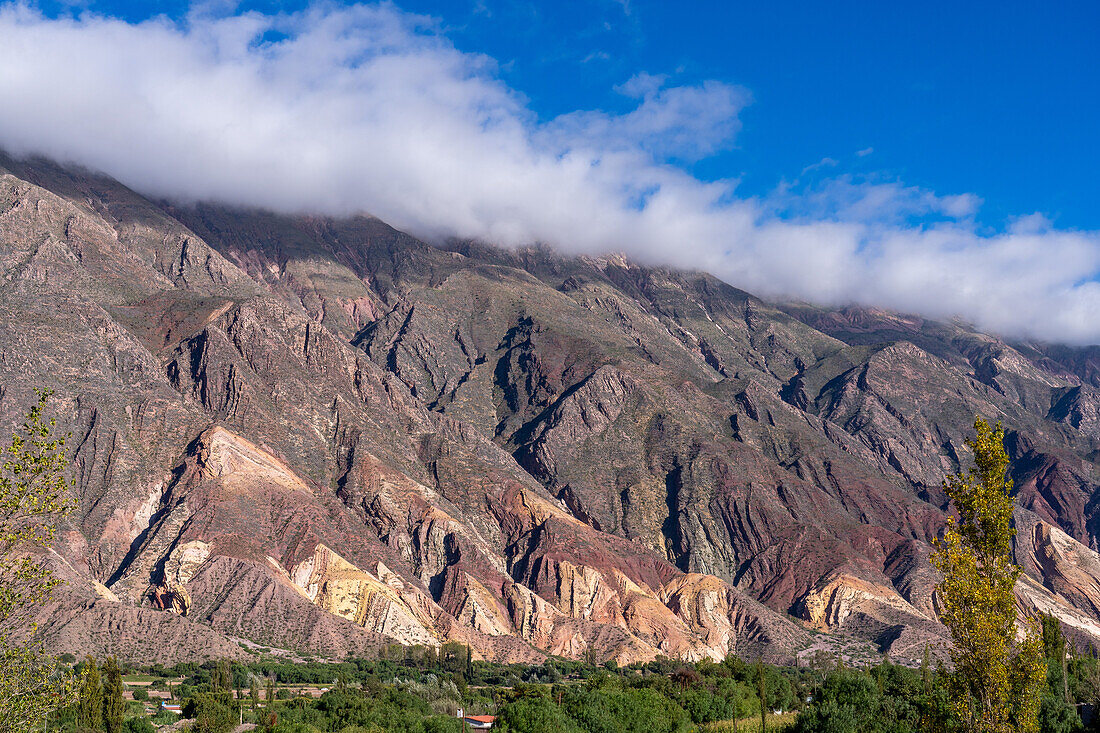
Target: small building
{"x": 475, "y": 722}
{"x": 479, "y": 722}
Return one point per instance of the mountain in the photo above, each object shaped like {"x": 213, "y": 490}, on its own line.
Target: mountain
{"x": 324, "y": 436}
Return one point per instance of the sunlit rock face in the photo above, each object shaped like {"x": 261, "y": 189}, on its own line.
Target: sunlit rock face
{"x": 342, "y": 589}
{"x": 326, "y": 435}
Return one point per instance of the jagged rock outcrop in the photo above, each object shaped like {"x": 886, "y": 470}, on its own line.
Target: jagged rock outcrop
{"x": 340, "y": 588}
{"x": 326, "y": 435}
{"x": 833, "y": 601}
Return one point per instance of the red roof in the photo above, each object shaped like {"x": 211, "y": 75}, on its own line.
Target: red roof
{"x": 482, "y": 718}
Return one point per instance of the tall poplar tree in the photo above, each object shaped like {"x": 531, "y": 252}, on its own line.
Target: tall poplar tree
{"x": 89, "y": 711}
{"x": 114, "y": 707}
{"x": 223, "y": 678}
{"x": 1054, "y": 649}
{"x": 34, "y": 492}
{"x": 762, "y": 693}
{"x": 997, "y": 679}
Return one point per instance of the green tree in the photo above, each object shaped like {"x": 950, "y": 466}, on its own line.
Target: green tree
{"x": 884, "y": 699}
{"x": 705, "y": 707}
{"x": 138, "y": 725}
{"x": 254, "y": 694}
{"x": 90, "y": 702}
{"x": 114, "y": 707}
{"x": 453, "y": 656}
{"x": 1054, "y": 649}
{"x": 269, "y": 693}
{"x": 997, "y": 680}
{"x": 762, "y": 693}
{"x": 1055, "y": 716}
{"x": 212, "y": 712}
{"x": 530, "y": 710}
{"x": 34, "y": 493}
{"x": 926, "y": 720}
{"x": 223, "y": 678}
{"x": 443, "y": 724}
{"x": 847, "y": 702}
{"x": 605, "y": 707}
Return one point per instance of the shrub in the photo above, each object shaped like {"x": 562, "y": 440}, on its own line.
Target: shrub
{"x": 137, "y": 725}
{"x": 612, "y": 709}
{"x": 443, "y": 724}
{"x": 704, "y": 707}
{"x": 165, "y": 717}
{"x": 212, "y": 713}
{"x": 429, "y": 688}
{"x": 1055, "y": 716}
{"x": 534, "y": 714}
{"x": 851, "y": 701}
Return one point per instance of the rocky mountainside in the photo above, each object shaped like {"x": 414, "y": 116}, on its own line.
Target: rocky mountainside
{"x": 325, "y": 435}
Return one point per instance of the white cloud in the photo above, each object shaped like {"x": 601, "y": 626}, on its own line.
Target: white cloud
{"x": 687, "y": 123}
{"x": 845, "y": 198}
{"x": 642, "y": 84}
{"x": 368, "y": 109}
{"x": 820, "y": 165}
{"x": 596, "y": 56}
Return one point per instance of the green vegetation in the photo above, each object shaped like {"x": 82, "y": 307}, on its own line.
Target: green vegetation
{"x": 212, "y": 712}
{"x": 34, "y": 491}
{"x": 420, "y": 690}
{"x": 90, "y": 701}
{"x": 416, "y": 690}
{"x": 995, "y": 685}
{"x": 775, "y": 723}
{"x": 114, "y": 707}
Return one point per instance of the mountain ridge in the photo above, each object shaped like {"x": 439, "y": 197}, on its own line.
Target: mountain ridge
{"x": 326, "y": 435}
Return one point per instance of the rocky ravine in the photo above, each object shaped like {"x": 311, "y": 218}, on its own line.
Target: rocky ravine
{"x": 326, "y": 435}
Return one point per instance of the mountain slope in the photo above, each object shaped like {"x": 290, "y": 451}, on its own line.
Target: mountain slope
{"x": 325, "y": 434}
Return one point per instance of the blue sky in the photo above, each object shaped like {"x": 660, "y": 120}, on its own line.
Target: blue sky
{"x": 998, "y": 99}
{"x": 929, "y": 158}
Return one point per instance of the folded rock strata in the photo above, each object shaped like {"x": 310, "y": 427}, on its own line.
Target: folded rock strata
{"x": 327, "y": 436}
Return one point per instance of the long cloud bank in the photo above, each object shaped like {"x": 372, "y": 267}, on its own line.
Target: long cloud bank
{"x": 370, "y": 109}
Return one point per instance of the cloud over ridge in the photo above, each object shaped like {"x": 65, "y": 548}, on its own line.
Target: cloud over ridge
{"x": 367, "y": 109}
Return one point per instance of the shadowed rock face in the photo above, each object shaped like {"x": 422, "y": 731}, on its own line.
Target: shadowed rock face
{"x": 326, "y": 435}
